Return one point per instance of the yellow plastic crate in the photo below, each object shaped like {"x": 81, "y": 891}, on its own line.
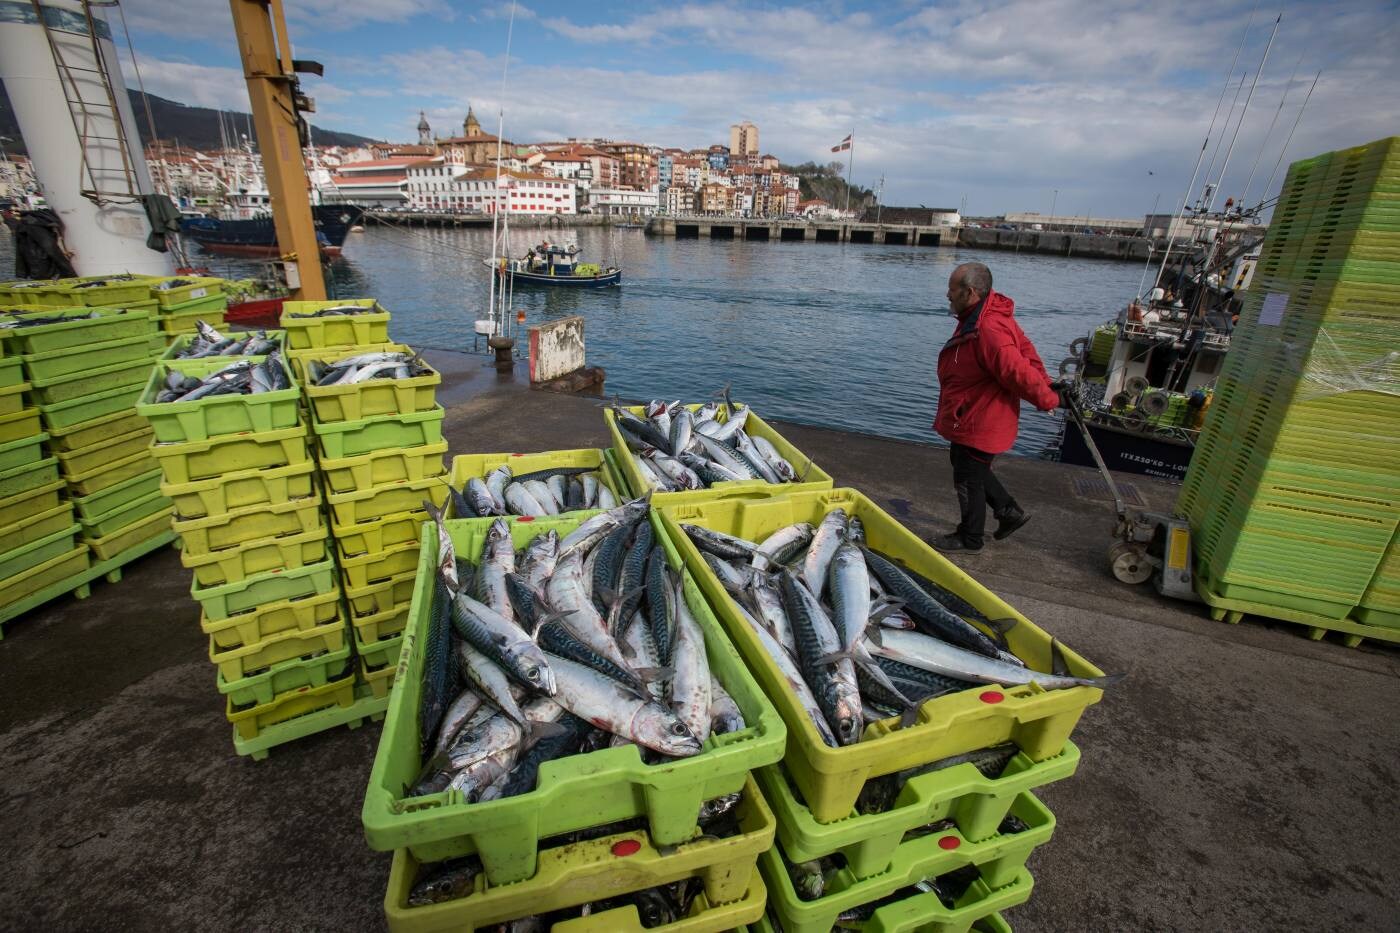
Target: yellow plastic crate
{"x": 252, "y": 523}
{"x": 194, "y": 288}
{"x": 249, "y": 628}
{"x": 381, "y": 625}
{"x": 238, "y": 563}
{"x": 12, "y": 398}
{"x": 191, "y": 461}
{"x": 380, "y": 534}
{"x": 380, "y": 597}
{"x": 87, "y": 433}
{"x": 1038, "y": 720}
{"x": 380, "y": 680}
{"x": 152, "y": 526}
{"x": 379, "y": 566}
{"x": 106, "y": 475}
{"x": 37, "y": 525}
{"x": 16, "y": 588}
{"x": 366, "y": 505}
{"x": 247, "y": 660}
{"x": 349, "y": 330}
{"x": 26, "y": 504}
{"x": 83, "y": 461}
{"x": 408, "y": 464}
{"x": 469, "y": 466}
{"x": 373, "y": 396}
{"x": 244, "y": 489}
{"x": 248, "y": 723}
{"x": 19, "y": 424}
{"x": 299, "y": 358}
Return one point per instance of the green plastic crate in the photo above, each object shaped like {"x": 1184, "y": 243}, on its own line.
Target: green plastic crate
{"x": 252, "y": 558}
{"x": 23, "y": 585}
{"x": 189, "y": 288}
{"x": 992, "y": 923}
{"x": 54, "y": 364}
{"x": 62, "y": 415}
{"x": 377, "y": 598}
{"x": 174, "y": 326}
{"x": 194, "y": 461}
{"x": 350, "y": 330}
{"x": 468, "y": 466}
{"x": 11, "y": 368}
{"x": 108, "y": 291}
{"x": 615, "y": 782}
{"x": 341, "y": 439}
{"x": 12, "y": 398}
{"x": 1039, "y": 721}
{"x": 241, "y": 489}
{"x": 21, "y": 479}
{"x": 35, "y": 525}
{"x": 183, "y": 341}
{"x": 105, "y": 476}
{"x": 83, "y": 461}
{"x": 116, "y": 495}
{"x": 195, "y": 306}
{"x": 286, "y": 676}
{"x": 218, "y": 415}
{"x": 377, "y": 567}
{"x": 91, "y": 381}
{"x": 371, "y": 633}
{"x": 380, "y": 534}
{"x": 383, "y": 466}
{"x": 216, "y": 533}
{"x": 248, "y": 660}
{"x": 230, "y": 599}
{"x": 1000, "y": 859}
{"x": 366, "y": 505}
{"x": 381, "y": 651}
{"x": 124, "y": 515}
{"x": 373, "y": 396}
{"x": 26, "y": 505}
{"x": 811, "y": 476}
{"x": 103, "y": 428}
{"x": 20, "y": 424}
{"x": 598, "y": 869}
{"x": 88, "y": 326}
{"x": 17, "y": 560}
{"x": 123, "y": 539}
{"x": 302, "y": 613}
{"x": 974, "y": 802}
{"x": 26, "y": 451}
{"x": 251, "y": 722}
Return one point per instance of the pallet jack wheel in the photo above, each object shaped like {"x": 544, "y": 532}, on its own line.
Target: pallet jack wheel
{"x": 1129, "y": 563}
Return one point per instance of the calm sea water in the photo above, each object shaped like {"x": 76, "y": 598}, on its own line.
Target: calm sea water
{"x": 839, "y": 335}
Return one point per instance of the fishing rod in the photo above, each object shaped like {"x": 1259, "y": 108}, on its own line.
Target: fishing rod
{"x": 1270, "y": 184}
{"x": 1249, "y": 182}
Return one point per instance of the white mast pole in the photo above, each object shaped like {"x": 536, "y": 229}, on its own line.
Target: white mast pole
{"x": 850, "y": 164}
{"x": 496, "y": 217}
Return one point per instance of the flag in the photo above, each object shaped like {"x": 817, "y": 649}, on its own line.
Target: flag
{"x": 845, "y": 144}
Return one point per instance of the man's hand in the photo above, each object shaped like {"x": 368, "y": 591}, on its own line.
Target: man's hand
{"x": 1068, "y": 392}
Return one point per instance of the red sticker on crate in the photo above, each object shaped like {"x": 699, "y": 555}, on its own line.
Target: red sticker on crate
{"x": 949, "y": 842}
{"x": 626, "y": 847}
{"x": 526, "y": 518}
{"x": 992, "y": 696}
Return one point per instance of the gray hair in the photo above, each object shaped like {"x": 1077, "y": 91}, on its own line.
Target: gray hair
{"x": 975, "y": 276}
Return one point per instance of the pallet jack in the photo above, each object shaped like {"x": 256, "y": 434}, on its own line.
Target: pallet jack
{"x": 1146, "y": 545}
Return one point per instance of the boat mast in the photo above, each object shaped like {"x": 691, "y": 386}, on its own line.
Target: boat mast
{"x": 499, "y": 317}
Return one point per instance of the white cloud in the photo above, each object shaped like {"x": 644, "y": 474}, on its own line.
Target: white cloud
{"x": 189, "y": 83}
{"x": 210, "y": 20}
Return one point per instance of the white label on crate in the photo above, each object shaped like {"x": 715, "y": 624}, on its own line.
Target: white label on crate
{"x": 198, "y": 293}
{"x": 1271, "y": 314}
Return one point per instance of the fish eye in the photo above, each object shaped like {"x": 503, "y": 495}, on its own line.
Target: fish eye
{"x": 679, "y": 730}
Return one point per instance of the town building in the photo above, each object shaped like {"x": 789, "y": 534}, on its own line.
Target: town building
{"x": 440, "y": 184}
{"x": 680, "y": 199}
{"x": 637, "y": 164}
{"x": 377, "y": 183}
{"x": 743, "y": 138}
{"x": 622, "y": 202}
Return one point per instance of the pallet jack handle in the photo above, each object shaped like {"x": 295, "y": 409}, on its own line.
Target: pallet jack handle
{"x": 1077, "y": 415}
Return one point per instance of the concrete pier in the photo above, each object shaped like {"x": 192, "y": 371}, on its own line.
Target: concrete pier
{"x": 1241, "y": 777}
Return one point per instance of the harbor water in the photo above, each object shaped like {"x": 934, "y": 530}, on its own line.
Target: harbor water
{"x": 839, "y": 335}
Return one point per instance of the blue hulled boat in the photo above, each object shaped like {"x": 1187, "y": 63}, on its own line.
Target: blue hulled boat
{"x": 256, "y": 236}
{"x": 549, "y": 264}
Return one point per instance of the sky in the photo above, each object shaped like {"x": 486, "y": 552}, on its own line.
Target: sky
{"x": 1094, "y": 107}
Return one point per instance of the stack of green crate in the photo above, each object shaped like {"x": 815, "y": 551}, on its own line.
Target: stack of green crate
{"x": 1101, "y": 344}
{"x": 380, "y": 449}
{"x": 948, "y": 798}
{"x": 1294, "y": 490}
{"x": 87, "y": 368}
{"x": 183, "y": 301}
{"x": 39, "y": 546}
{"x": 248, "y": 510}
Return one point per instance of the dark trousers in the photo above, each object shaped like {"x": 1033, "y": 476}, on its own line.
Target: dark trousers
{"x": 977, "y": 487}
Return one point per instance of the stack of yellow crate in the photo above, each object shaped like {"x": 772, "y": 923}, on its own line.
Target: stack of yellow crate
{"x": 248, "y": 509}
{"x": 380, "y": 448}
{"x": 181, "y": 302}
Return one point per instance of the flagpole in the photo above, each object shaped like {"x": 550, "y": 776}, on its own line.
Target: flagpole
{"x": 850, "y": 162}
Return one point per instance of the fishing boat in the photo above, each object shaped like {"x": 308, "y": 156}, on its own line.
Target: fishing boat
{"x": 552, "y": 264}
{"x": 255, "y": 234}
{"x": 1147, "y": 378}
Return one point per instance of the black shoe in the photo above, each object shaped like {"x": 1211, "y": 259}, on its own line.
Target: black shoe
{"x": 1008, "y": 525}
{"x": 953, "y": 542}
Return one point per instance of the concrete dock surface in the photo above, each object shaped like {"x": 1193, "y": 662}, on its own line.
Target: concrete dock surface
{"x": 1242, "y": 777}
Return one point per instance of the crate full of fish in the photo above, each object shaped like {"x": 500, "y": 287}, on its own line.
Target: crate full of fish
{"x": 208, "y": 341}
{"x": 684, "y": 453}
{"x": 971, "y": 793}
{"x": 554, "y": 483}
{"x": 378, "y": 467}
{"x": 194, "y": 400}
{"x": 624, "y": 877}
{"x": 353, "y": 322}
{"x": 939, "y": 879}
{"x": 353, "y": 385}
{"x": 169, "y": 292}
{"x": 644, "y": 718}
{"x": 935, "y": 666}
{"x": 47, "y": 330}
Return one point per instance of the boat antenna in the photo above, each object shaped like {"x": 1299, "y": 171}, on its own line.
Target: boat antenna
{"x": 1255, "y": 83}
{"x": 1249, "y": 182}
{"x": 496, "y": 215}
{"x": 1269, "y": 186}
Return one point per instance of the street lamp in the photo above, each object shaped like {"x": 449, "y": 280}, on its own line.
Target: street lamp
{"x": 1053, "y": 198}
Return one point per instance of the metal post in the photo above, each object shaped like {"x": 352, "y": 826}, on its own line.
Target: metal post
{"x": 267, "y": 67}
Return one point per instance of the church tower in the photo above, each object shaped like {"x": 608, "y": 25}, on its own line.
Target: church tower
{"x": 425, "y": 132}
{"x": 470, "y": 126}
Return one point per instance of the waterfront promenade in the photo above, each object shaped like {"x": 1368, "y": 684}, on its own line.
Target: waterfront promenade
{"x": 1229, "y": 783}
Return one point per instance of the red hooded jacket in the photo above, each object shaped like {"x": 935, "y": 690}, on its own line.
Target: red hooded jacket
{"x": 984, "y": 370}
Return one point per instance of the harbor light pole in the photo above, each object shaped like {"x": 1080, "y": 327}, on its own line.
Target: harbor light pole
{"x": 1053, "y": 198}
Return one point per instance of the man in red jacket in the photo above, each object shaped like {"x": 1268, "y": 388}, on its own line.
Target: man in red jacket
{"x": 984, "y": 370}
